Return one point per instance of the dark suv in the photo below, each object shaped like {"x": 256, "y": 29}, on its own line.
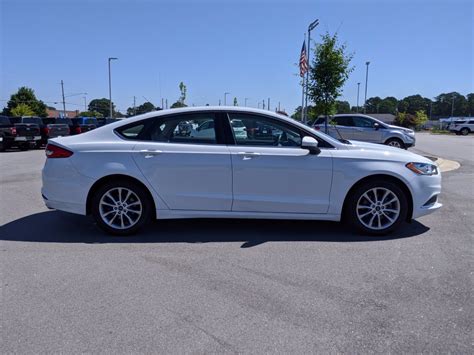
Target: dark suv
{"x": 83, "y": 124}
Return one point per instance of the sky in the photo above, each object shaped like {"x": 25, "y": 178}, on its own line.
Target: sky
{"x": 247, "y": 48}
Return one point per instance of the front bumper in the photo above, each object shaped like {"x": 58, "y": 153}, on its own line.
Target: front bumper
{"x": 424, "y": 191}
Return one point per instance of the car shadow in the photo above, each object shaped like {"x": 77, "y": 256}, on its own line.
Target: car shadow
{"x": 60, "y": 227}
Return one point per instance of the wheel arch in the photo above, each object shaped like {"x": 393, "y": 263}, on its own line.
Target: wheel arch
{"x": 115, "y": 177}
{"x": 384, "y": 177}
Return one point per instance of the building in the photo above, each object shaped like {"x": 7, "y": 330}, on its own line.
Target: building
{"x": 59, "y": 113}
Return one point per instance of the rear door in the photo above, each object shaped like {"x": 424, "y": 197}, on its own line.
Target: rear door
{"x": 344, "y": 127}
{"x": 187, "y": 172}
{"x": 271, "y": 173}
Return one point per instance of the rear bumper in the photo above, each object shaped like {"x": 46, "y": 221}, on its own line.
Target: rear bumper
{"x": 27, "y": 139}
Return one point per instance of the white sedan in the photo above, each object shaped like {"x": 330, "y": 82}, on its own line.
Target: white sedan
{"x": 130, "y": 171}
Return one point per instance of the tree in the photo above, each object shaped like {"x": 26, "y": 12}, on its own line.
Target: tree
{"x": 235, "y": 102}
{"x": 388, "y": 105}
{"x": 470, "y": 105}
{"x": 143, "y": 108}
{"x": 182, "y": 97}
{"x": 329, "y": 71}
{"x": 372, "y": 104}
{"x": 90, "y": 114}
{"x": 412, "y": 104}
{"x": 102, "y": 106}
{"x": 22, "y": 110}
{"x": 420, "y": 118}
{"x": 25, "y": 95}
{"x": 444, "y": 103}
{"x": 343, "y": 107}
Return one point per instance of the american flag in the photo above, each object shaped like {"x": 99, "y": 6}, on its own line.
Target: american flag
{"x": 303, "y": 60}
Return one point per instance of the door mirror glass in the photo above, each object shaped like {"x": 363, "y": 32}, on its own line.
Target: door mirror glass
{"x": 310, "y": 144}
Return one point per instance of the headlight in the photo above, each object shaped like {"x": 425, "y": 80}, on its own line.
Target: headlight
{"x": 423, "y": 168}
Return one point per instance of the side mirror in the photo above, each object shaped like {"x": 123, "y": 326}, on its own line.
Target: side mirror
{"x": 376, "y": 125}
{"x": 310, "y": 144}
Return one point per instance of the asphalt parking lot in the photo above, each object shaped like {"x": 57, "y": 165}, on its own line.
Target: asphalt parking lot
{"x": 232, "y": 286}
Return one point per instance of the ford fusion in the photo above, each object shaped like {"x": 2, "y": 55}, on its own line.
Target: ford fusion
{"x": 229, "y": 162}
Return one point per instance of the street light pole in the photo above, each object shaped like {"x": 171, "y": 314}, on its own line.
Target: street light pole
{"x": 110, "y": 89}
{"x": 366, "y": 81}
{"x": 225, "y": 98}
{"x": 311, "y": 27}
{"x": 85, "y": 103}
{"x": 64, "y": 102}
{"x": 358, "y": 88}
{"x": 245, "y": 100}
{"x": 452, "y": 106}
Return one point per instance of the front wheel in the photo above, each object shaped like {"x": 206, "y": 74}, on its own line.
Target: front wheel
{"x": 376, "y": 207}
{"x": 395, "y": 142}
{"x": 465, "y": 131}
{"x": 121, "y": 207}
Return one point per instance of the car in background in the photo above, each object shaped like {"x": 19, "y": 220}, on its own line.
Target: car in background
{"x": 48, "y": 128}
{"x": 83, "y": 124}
{"x": 364, "y": 128}
{"x": 7, "y": 133}
{"x": 28, "y": 134}
{"x": 105, "y": 121}
{"x": 129, "y": 172}
{"x": 462, "y": 127}
{"x": 240, "y": 131}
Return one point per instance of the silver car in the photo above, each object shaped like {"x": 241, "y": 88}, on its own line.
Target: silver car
{"x": 367, "y": 129}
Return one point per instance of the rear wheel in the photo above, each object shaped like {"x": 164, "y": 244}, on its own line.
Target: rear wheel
{"x": 121, "y": 207}
{"x": 377, "y": 207}
{"x": 395, "y": 142}
{"x": 465, "y": 131}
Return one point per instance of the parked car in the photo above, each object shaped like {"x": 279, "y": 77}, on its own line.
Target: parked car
{"x": 366, "y": 129}
{"x": 463, "y": 127}
{"x": 104, "y": 121}
{"x": 83, "y": 124}
{"x": 128, "y": 172}
{"x": 7, "y": 133}
{"x": 28, "y": 133}
{"x": 48, "y": 128}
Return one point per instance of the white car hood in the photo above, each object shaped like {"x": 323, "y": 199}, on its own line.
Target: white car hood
{"x": 394, "y": 153}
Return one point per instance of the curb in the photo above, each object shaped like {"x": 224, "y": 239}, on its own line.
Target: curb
{"x": 445, "y": 165}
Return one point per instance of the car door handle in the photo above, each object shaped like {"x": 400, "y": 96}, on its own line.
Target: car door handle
{"x": 248, "y": 155}
{"x": 150, "y": 153}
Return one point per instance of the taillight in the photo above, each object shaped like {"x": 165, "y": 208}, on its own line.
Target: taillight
{"x": 53, "y": 151}
{"x": 77, "y": 130}
{"x": 46, "y": 131}
{"x": 13, "y": 130}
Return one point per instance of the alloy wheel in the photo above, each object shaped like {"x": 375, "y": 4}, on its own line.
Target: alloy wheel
{"x": 120, "y": 208}
{"x": 395, "y": 144}
{"x": 378, "y": 208}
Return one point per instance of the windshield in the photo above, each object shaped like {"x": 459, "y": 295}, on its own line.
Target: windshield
{"x": 31, "y": 120}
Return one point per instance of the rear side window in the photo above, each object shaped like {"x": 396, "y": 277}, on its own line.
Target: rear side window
{"x": 5, "y": 121}
{"x": 344, "y": 121}
{"x": 460, "y": 122}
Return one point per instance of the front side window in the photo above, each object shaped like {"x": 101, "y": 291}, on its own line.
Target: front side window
{"x": 255, "y": 130}
{"x": 363, "y": 122}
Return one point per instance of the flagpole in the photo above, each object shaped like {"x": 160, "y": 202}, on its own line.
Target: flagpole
{"x": 303, "y": 96}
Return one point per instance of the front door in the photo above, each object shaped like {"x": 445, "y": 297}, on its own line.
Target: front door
{"x": 365, "y": 130}
{"x": 271, "y": 173}
{"x": 188, "y": 171}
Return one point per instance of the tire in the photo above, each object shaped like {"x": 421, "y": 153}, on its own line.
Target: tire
{"x": 110, "y": 215}
{"x": 395, "y": 142}
{"x": 361, "y": 214}
{"x": 458, "y": 133}
{"x": 465, "y": 131}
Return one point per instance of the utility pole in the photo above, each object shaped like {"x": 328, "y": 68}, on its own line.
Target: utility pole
{"x": 166, "y": 103}
{"x": 85, "y": 103}
{"x": 245, "y": 100}
{"x": 111, "y": 114}
{"x": 134, "y": 106}
{"x": 279, "y": 106}
{"x": 219, "y": 102}
{"x": 64, "y": 102}
{"x": 225, "y": 98}
{"x": 162, "y": 104}
{"x": 358, "y": 88}
{"x": 268, "y": 106}
{"x": 366, "y": 81}
{"x": 311, "y": 27}
{"x": 263, "y": 104}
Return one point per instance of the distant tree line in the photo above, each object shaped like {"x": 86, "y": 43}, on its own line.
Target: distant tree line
{"x": 442, "y": 106}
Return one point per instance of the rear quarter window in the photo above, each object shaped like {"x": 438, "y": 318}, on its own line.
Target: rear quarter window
{"x": 131, "y": 131}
